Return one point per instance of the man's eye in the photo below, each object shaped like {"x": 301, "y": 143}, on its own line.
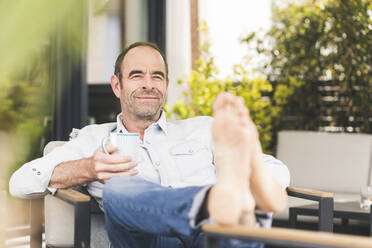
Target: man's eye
{"x": 158, "y": 77}
{"x": 136, "y": 76}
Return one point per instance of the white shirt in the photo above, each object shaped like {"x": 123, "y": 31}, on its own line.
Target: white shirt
{"x": 174, "y": 154}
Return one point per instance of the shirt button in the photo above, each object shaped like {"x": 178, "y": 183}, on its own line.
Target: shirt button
{"x": 157, "y": 163}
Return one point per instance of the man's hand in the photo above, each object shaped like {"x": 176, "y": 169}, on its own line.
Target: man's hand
{"x": 100, "y": 167}
{"x": 106, "y": 166}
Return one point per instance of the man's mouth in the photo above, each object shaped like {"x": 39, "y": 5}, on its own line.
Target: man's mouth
{"x": 147, "y": 97}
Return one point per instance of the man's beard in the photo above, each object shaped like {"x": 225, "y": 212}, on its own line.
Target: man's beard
{"x": 144, "y": 111}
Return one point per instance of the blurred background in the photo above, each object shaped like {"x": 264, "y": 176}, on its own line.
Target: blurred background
{"x": 299, "y": 65}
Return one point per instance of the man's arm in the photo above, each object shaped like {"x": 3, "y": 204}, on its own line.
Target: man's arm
{"x": 100, "y": 167}
{"x": 48, "y": 173}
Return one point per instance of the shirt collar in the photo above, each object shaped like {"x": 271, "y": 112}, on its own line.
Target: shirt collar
{"x": 161, "y": 123}
{"x": 119, "y": 122}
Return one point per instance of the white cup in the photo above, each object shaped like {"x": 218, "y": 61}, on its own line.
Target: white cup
{"x": 127, "y": 144}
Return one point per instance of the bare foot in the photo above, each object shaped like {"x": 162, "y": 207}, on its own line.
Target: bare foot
{"x": 230, "y": 200}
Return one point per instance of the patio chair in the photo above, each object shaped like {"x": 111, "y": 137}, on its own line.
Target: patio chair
{"x": 337, "y": 162}
{"x": 70, "y": 226}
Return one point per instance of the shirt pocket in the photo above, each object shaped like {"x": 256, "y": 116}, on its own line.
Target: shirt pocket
{"x": 193, "y": 159}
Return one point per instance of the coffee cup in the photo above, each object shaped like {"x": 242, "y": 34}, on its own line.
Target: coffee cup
{"x": 127, "y": 144}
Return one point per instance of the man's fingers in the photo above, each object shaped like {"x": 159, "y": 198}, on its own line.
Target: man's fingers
{"x": 113, "y": 159}
{"x": 105, "y": 176}
{"x": 121, "y": 167}
{"x": 116, "y": 158}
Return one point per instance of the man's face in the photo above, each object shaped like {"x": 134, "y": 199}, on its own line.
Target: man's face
{"x": 143, "y": 83}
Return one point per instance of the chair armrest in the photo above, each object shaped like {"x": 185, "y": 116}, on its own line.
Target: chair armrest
{"x": 309, "y": 194}
{"x": 72, "y": 196}
{"x": 283, "y": 236}
{"x": 325, "y": 211}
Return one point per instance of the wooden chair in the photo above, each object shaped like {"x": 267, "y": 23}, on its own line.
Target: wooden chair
{"x": 340, "y": 163}
{"x": 78, "y": 208}
{"x": 81, "y": 210}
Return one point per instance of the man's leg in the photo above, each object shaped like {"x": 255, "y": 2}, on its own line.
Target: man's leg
{"x": 242, "y": 180}
{"x": 143, "y": 214}
{"x": 234, "y": 143}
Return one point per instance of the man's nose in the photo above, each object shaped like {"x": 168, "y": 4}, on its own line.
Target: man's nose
{"x": 147, "y": 83}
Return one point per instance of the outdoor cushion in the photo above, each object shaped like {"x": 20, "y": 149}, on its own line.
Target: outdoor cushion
{"x": 334, "y": 162}
{"x": 59, "y": 225}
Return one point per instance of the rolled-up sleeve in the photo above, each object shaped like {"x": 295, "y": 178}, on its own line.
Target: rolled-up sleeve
{"x": 277, "y": 169}
{"x": 32, "y": 179}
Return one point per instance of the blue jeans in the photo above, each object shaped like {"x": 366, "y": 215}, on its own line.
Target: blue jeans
{"x": 144, "y": 214}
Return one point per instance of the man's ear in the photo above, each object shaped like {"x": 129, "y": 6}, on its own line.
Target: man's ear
{"x": 115, "y": 85}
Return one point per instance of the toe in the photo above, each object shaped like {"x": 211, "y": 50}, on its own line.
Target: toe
{"x": 223, "y": 100}
{"x": 219, "y": 102}
{"x": 240, "y": 105}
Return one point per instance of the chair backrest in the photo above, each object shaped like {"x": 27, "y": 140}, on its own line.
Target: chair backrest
{"x": 52, "y": 145}
{"x": 337, "y": 162}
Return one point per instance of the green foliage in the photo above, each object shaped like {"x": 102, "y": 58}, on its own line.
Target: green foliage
{"x": 204, "y": 85}
{"x": 314, "y": 44}
{"x": 27, "y": 71}
{"x": 15, "y": 100}
{"x": 23, "y": 107}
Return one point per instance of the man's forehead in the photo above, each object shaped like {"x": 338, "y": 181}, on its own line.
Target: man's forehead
{"x": 143, "y": 58}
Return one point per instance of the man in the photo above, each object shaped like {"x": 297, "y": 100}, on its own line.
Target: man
{"x": 162, "y": 200}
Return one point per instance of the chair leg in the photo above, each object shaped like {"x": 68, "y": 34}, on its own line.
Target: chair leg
{"x": 326, "y": 215}
{"x": 82, "y": 225}
{"x": 36, "y": 222}
{"x": 292, "y": 218}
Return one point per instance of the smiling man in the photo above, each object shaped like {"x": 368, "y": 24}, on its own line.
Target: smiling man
{"x": 191, "y": 171}
{"x": 140, "y": 82}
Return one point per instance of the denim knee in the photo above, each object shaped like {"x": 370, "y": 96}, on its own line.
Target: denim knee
{"x": 123, "y": 187}
{"x": 119, "y": 192}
